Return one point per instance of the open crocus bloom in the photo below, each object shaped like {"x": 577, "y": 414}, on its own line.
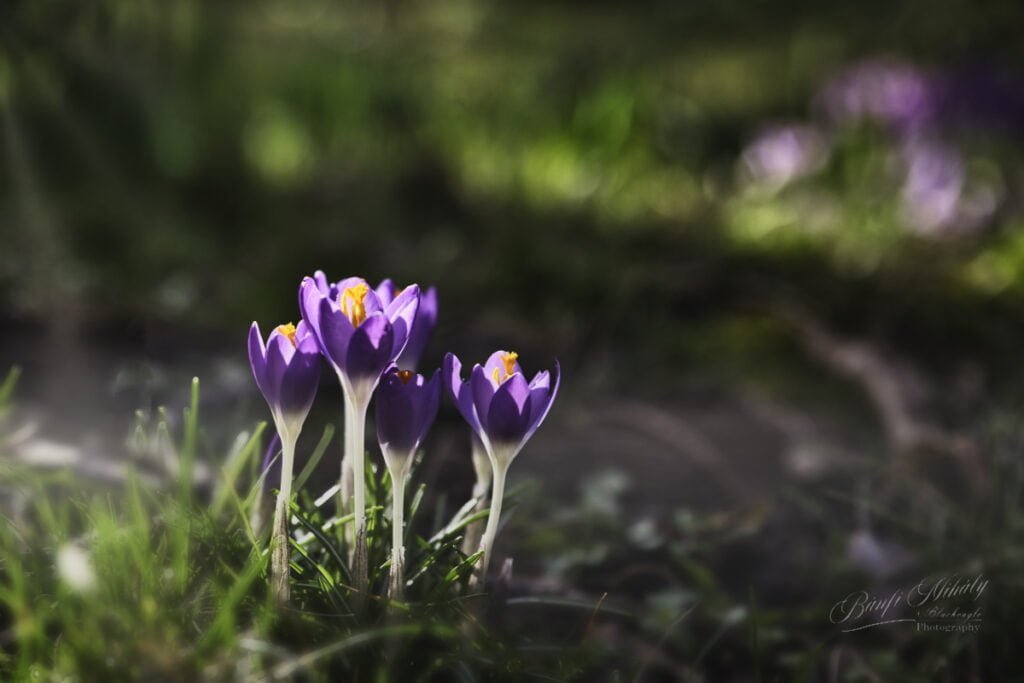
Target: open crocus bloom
{"x": 358, "y": 334}
{"x": 287, "y": 371}
{"x": 503, "y": 409}
{"x": 422, "y": 326}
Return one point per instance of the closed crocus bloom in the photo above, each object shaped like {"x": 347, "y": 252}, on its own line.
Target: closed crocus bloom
{"x": 360, "y": 336}
{"x": 287, "y": 371}
{"x": 504, "y": 410}
{"x": 422, "y": 326}
{"x": 406, "y": 407}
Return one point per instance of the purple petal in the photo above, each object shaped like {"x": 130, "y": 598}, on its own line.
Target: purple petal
{"x": 402, "y": 312}
{"x": 459, "y": 391}
{"x": 282, "y": 343}
{"x": 276, "y": 366}
{"x": 541, "y": 398}
{"x": 372, "y": 303}
{"x": 431, "y": 392}
{"x": 305, "y": 339}
{"x": 310, "y": 297}
{"x": 405, "y": 410}
{"x": 299, "y": 383}
{"x": 508, "y": 417}
{"x": 483, "y": 391}
{"x": 385, "y": 292}
{"x": 422, "y": 327}
{"x": 369, "y": 349}
{"x": 322, "y": 283}
{"x": 258, "y": 358}
{"x": 335, "y": 334}
{"x": 397, "y": 423}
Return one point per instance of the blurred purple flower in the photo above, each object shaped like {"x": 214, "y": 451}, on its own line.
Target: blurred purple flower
{"x": 422, "y": 326}
{"x": 782, "y": 154}
{"x": 892, "y": 93}
{"x": 935, "y": 200}
{"x": 287, "y": 371}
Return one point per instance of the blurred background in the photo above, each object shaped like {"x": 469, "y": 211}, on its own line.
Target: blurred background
{"x": 777, "y": 248}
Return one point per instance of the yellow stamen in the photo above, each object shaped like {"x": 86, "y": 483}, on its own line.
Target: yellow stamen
{"x": 351, "y": 303}
{"x": 406, "y": 375}
{"x": 288, "y": 330}
{"x": 509, "y": 361}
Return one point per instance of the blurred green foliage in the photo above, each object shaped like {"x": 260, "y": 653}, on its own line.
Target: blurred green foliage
{"x": 187, "y": 163}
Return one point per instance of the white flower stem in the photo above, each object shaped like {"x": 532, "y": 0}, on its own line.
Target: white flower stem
{"x": 396, "y": 583}
{"x": 497, "y": 494}
{"x": 279, "y": 549}
{"x": 482, "y": 467}
{"x": 355, "y": 425}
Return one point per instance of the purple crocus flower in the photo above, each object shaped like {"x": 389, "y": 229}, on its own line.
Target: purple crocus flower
{"x": 781, "y": 154}
{"x": 422, "y": 326}
{"x": 891, "y": 92}
{"x": 504, "y": 410}
{"x": 360, "y": 336}
{"x": 936, "y": 197}
{"x": 406, "y": 407}
{"x": 287, "y": 371}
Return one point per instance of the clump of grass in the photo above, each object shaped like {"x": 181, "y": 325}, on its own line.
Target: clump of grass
{"x": 153, "y": 580}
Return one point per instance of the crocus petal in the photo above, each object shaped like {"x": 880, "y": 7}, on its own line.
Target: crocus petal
{"x": 258, "y": 357}
{"x": 334, "y": 334}
{"x": 397, "y": 423}
{"x": 405, "y": 411}
{"x": 432, "y": 390}
{"x": 422, "y": 327}
{"x": 276, "y": 366}
{"x": 372, "y": 303}
{"x": 305, "y": 340}
{"x": 483, "y": 392}
{"x": 310, "y": 296}
{"x": 299, "y": 384}
{"x": 385, "y": 292}
{"x": 369, "y": 349}
{"x": 508, "y": 416}
{"x": 282, "y": 344}
{"x": 402, "y": 313}
{"x": 541, "y": 398}
{"x": 541, "y": 380}
{"x": 459, "y": 391}
{"x": 322, "y": 283}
